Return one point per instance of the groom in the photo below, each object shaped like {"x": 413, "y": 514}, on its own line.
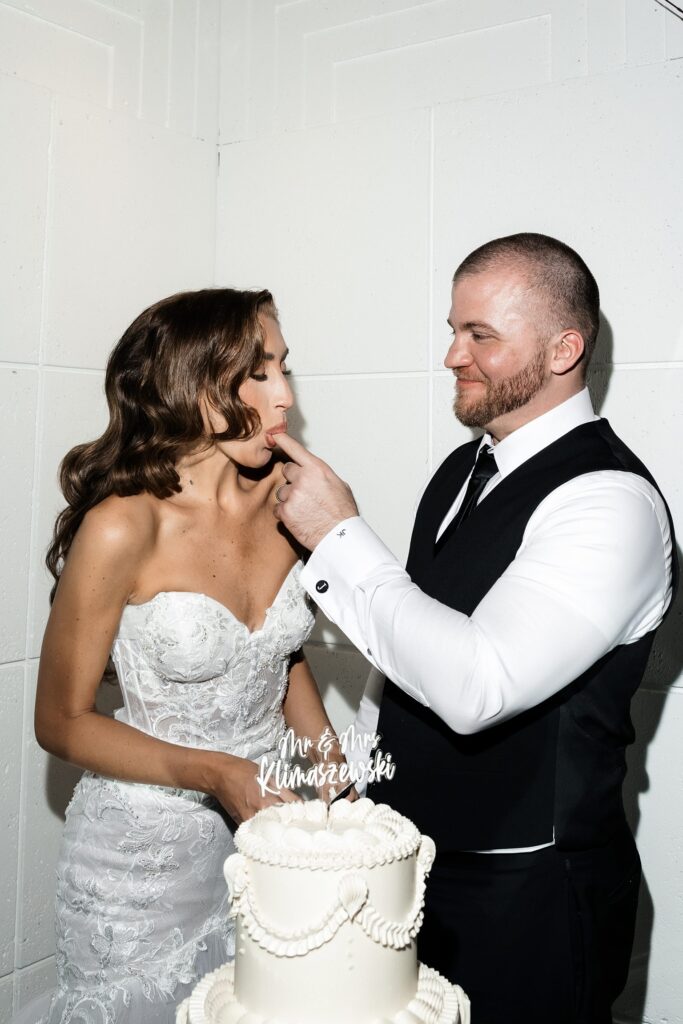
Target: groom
{"x": 540, "y": 567}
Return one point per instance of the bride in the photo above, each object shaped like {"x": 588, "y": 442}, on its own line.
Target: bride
{"x": 168, "y": 556}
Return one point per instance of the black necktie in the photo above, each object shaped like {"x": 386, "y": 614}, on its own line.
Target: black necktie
{"x": 484, "y": 468}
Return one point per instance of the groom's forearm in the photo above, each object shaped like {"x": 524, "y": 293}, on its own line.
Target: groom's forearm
{"x": 520, "y": 645}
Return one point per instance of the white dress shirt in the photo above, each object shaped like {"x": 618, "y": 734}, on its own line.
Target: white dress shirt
{"x": 593, "y": 571}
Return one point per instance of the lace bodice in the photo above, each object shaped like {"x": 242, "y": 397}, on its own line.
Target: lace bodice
{"x": 191, "y": 673}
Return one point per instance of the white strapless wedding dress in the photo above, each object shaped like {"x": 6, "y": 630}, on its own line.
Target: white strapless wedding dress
{"x": 142, "y": 906}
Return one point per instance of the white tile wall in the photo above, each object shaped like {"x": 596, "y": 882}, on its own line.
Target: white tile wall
{"x": 6, "y": 986}
{"x": 153, "y": 236}
{"x": 73, "y": 410}
{"x": 153, "y": 59}
{"x": 324, "y": 217}
{"x": 636, "y": 401}
{"x": 366, "y": 428}
{"x": 306, "y": 63}
{"x": 645, "y": 32}
{"x": 443, "y": 69}
{"x": 11, "y": 723}
{"x": 33, "y": 981}
{"x": 538, "y": 161}
{"x": 25, "y": 133}
{"x": 52, "y": 55}
{"x": 18, "y": 400}
{"x": 606, "y": 25}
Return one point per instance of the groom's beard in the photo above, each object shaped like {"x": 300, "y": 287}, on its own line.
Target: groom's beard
{"x": 503, "y": 396}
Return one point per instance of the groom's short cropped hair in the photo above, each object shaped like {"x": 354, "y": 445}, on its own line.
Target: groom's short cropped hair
{"x": 568, "y": 292}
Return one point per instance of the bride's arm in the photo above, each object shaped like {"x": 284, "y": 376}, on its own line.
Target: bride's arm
{"x": 98, "y": 578}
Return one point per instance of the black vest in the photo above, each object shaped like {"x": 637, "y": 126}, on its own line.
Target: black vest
{"x": 558, "y": 766}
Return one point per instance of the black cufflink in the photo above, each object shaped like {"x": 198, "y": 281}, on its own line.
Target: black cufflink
{"x": 321, "y": 586}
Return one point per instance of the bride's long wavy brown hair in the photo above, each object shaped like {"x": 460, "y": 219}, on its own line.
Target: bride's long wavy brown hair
{"x": 193, "y": 344}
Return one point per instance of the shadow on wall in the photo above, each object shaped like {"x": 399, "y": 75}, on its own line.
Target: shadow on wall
{"x": 664, "y": 668}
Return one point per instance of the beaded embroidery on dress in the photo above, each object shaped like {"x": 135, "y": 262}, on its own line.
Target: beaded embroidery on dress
{"x": 142, "y": 910}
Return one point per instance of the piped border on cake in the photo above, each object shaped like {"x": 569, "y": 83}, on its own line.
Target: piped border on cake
{"x": 394, "y": 837}
{"x": 213, "y": 1001}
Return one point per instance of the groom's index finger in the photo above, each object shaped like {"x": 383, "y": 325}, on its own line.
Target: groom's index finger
{"x": 294, "y": 450}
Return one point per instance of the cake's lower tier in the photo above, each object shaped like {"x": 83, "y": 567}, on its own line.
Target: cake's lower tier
{"x": 213, "y": 1002}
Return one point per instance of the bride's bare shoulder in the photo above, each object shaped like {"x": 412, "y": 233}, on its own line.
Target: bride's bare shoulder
{"x": 131, "y": 522}
{"x": 114, "y": 539}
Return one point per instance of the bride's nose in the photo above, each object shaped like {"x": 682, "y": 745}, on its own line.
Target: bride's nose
{"x": 285, "y": 399}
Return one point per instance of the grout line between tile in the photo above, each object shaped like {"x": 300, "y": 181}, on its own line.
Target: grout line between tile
{"x": 195, "y": 71}
{"x": 430, "y": 299}
{"x": 23, "y": 801}
{"x": 12, "y": 662}
{"x": 379, "y": 375}
{"x": 217, "y": 142}
{"x": 40, "y": 400}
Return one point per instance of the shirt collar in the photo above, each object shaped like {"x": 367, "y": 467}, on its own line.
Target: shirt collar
{"x": 537, "y": 434}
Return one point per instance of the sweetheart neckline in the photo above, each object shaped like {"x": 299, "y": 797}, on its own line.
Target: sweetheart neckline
{"x": 219, "y": 604}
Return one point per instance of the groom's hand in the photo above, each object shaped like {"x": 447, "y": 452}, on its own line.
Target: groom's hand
{"x": 313, "y": 499}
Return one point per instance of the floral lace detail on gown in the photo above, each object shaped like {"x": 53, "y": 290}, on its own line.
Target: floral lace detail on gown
{"x": 142, "y": 905}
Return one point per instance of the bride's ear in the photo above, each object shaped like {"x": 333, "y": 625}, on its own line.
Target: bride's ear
{"x": 204, "y": 413}
{"x": 213, "y": 420}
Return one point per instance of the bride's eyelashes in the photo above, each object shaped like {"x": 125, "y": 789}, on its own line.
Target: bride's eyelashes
{"x": 264, "y": 376}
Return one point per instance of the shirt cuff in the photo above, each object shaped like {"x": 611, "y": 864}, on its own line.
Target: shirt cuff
{"x": 350, "y": 553}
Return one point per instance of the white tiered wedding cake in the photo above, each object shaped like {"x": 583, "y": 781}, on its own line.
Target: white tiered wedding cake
{"x": 328, "y": 904}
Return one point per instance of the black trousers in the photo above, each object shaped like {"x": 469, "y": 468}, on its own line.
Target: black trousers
{"x": 534, "y": 938}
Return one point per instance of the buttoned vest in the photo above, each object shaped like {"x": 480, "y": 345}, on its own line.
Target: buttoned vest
{"x": 556, "y": 769}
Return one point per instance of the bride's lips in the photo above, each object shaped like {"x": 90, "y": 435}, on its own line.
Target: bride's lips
{"x": 279, "y": 428}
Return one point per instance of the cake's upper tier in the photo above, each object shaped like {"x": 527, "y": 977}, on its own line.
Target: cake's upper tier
{"x": 310, "y": 834}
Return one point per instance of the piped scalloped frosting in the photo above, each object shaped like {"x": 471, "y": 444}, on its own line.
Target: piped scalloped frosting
{"x": 352, "y": 904}
{"x": 309, "y": 834}
{"x": 213, "y": 1001}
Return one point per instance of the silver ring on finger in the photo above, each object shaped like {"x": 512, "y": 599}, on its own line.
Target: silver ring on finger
{"x": 277, "y": 494}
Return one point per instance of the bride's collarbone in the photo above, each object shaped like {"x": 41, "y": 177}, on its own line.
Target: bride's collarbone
{"x": 237, "y": 556}
{"x": 242, "y": 573}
